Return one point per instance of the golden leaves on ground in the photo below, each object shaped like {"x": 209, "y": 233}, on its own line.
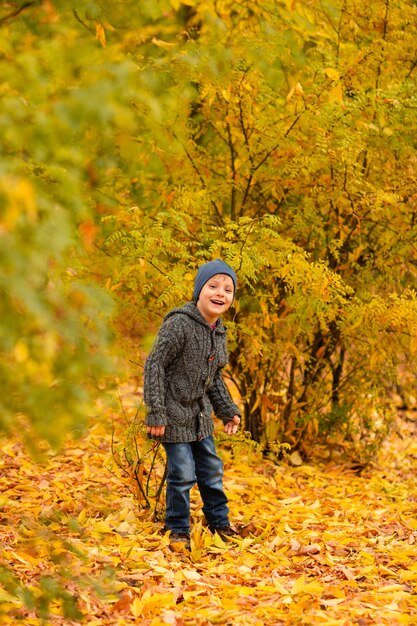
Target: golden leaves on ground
{"x": 318, "y": 545}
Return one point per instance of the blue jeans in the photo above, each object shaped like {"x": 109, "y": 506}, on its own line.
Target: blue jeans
{"x": 190, "y": 463}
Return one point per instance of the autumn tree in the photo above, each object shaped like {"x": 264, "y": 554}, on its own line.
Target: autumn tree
{"x": 283, "y": 141}
{"x": 55, "y": 122}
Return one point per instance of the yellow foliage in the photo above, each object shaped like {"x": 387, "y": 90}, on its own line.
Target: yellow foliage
{"x": 332, "y": 73}
{"x": 336, "y": 93}
{"x": 19, "y": 200}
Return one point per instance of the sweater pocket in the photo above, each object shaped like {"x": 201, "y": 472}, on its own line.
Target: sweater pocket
{"x": 185, "y": 380}
{"x": 182, "y": 414}
{"x": 183, "y": 391}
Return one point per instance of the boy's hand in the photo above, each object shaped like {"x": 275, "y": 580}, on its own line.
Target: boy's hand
{"x": 231, "y": 427}
{"x": 156, "y": 431}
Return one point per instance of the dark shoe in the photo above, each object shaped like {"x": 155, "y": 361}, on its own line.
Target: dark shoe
{"x": 224, "y": 532}
{"x": 179, "y": 541}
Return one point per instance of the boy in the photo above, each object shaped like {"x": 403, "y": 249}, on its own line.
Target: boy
{"x": 182, "y": 386}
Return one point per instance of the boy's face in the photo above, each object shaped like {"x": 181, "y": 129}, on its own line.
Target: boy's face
{"x": 215, "y": 297}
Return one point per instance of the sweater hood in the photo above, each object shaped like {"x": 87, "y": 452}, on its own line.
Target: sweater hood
{"x": 190, "y": 310}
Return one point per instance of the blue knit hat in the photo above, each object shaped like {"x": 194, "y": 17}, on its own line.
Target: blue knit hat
{"x": 210, "y": 269}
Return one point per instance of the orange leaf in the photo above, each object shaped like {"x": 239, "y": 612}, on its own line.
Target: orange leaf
{"x": 101, "y": 34}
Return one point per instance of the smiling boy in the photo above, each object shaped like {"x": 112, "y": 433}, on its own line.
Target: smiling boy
{"x": 183, "y": 385}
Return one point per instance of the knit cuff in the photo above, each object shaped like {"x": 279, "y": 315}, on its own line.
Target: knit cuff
{"x": 229, "y": 414}
{"x": 156, "y": 419}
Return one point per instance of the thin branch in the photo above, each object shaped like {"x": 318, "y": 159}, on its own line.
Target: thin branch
{"x": 115, "y": 456}
{"x": 135, "y": 440}
{"x": 292, "y": 125}
{"x": 228, "y": 374}
{"x": 17, "y": 12}
{"x": 203, "y": 182}
{"x": 384, "y": 38}
{"x": 413, "y": 67}
{"x": 122, "y": 407}
{"x": 135, "y": 363}
{"x": 233, "y": 161}
{"x": 130, "y": 490}
{"x": 244, "y": 243}
{"x": 339, "y": 28}
{"x": 158, "y": 269}
{"x": 246, "y": 137}
{"x": 154, "y": 450}
{"x": 161, "y": 484}
{"x": 142, "y": 491}
{"x": 77, "y": 17}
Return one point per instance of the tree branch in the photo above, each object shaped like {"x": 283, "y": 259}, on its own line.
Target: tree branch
{"x": 412, "y": 68}
{"x": 17, "y": 12}
{"x": 233, "y": 162}
{"x": 77, "y": 17}
{"x": 200, "y": 176}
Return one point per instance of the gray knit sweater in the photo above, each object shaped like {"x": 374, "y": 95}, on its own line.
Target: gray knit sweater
{"x": 183, "y": 382}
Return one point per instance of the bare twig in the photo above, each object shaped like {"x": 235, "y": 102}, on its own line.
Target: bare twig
{"x": 141, "y": 489}
{"x": 412, "y": 68}
{"x": 122, "y": 407}
{"x": 114, "y": 455}
{"x": 118, "y": 478}
{"x": 155, "y": 450}
{"x": 77, "y": 17}
{"x": 138, "y": 364}
{"x": 17, "y": 12}
{"x": 233, "y": 164}
{"x": 203, "y": 182}
{"x": 161, "y": 484}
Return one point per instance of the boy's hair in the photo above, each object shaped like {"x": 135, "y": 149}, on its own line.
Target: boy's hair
{"x": 210, "y": 269}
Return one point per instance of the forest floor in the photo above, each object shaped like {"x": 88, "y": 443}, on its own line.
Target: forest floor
{"x": 321, "y": 543}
